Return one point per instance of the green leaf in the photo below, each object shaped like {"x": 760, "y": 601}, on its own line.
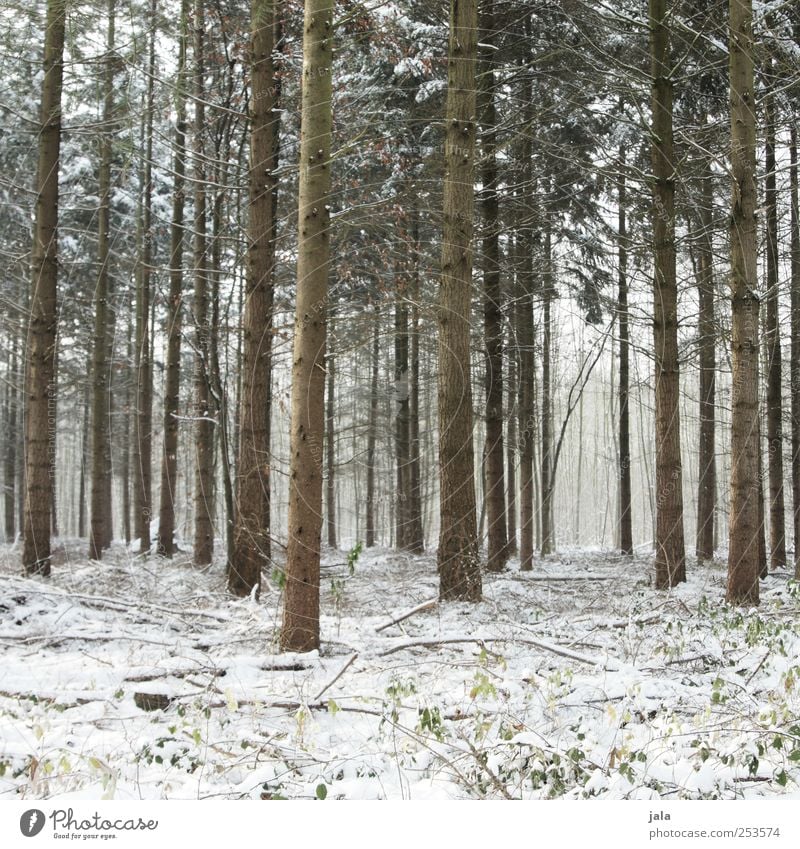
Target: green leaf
{"x": 322, "y": 792}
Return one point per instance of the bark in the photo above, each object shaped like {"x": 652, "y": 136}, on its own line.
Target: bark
{"x": 143, "y": 420}
{"x": 41, "y": 338}
{"x": 743, "y": 554}
{"x": 251, "y": 549}
{"x": 512, "y": 392}
{"x": 416, "y": 533}
{"x": 204, "y": 424}
{"x": 84, "y": 463}
{"x": 53, "y": 439}
{"x": 795, "y": 349}
{"x": 100, "y": 508}
{"x": 172, "y": 383}
{"x": 10, "y": 482}
{"x": 624, "y": 468}
{"x": 300, "y": 631}
{"x": 547, "y": 482}
{"x": 494, "y": 451}
{"x": 777, "y": 511}
{"x": 126, "y": 433}
{"x": 706, "y": 329}
{"x": 372, "y": 431}
{"x": 402, "y": 424}
{"x": 458, "y": 561}
{"x": 330, "y": 440}
{"x": 219, "y": 394}
{"x": 669, "y": 538}
{"x": 525, "y": 340}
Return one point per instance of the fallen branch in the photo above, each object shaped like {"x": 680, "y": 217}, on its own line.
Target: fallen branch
{"x": 548, "y": 647}
{"x": 337, "y": 676}
{"x": 426, "y": 605}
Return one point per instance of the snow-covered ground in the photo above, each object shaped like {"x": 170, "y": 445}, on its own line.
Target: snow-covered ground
{"x": 576, "y": 680}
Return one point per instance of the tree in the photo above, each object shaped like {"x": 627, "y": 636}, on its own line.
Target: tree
{"x": 795, "y": 333}
{"x": 492, "y": 311}
{"x": 300, "y": 630}
{"x": 743, "y": 554}
{"x": 41, "y": 339}
{"x": 458, "y": 563}
{"x": 251, "y": 530}
{"x": 100, "y": 531}
{"x": 204, "y": 424}
{"x": 670, "y": 552}
{"x": 169, "y": 456}
{"x": 143, "y": 420}
{"x": 777, "y": 512}
{"x": 624, "y": 461}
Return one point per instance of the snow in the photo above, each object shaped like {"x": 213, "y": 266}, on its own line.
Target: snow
{"x": 577, "y": 680}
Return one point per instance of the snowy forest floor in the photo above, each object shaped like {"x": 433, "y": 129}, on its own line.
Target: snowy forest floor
{"x": 140, "y": 678}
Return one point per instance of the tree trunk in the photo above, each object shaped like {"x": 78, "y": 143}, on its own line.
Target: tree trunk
{"x": 402, "y": 424}
{"x": 204, "y": 425}
{"x": 495, "y": 497}
{"x": 458, "y": 559}
{"x": 100, "y": 509}
{"x": 143, "y": 420}
{"x": 172, "y": 383}
{"x": 300, "y": 630}
{"x": 330, "y": 439}
{"x": 795, "y": 354}
{"x": 743, "y": 554}
{"x": 372, "y": 431}
{"x": 777, "y": 511}
{"x": 669, "y": 539}
{"x": 84, "y": 463}
{"x": 126, "y": 433}
{"x": 41, "y": 341}
{"x": 251, "y": 548}
{"x": 512, "y": 392}
{"x": 53, "y": 439}
{"x": 624, "y": 470}
{"x": 706, "y": 329}
{"x": 525, "y": 335}
{"x": 10, "y": 481}
{"x": 546, "y": 503}
{"x": 416, "y": 533}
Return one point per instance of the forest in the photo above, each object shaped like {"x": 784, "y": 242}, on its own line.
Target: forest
{"x": 399, "y": 399}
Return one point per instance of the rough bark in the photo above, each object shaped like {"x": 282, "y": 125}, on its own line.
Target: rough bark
{"x": 100, "y": 507}
{"x": 547, "y": 483}
{"x": 458, "y": 561}
{"x": 372, "y": 431}
{"x": 251, "y": 531}
{"x": 169, "y": 457}
{"x": 143, "y": 419}
{"x": 494, "y": 451}
{"x": 41, "y": 338}
{"x": 669, "y": 538}
{"x": 300, "y": 631}
{"x": 416, "y": 533}
{"x": 743, "y": 554}
{"x": 10, "y": 481}
{"x": 330, "y": 439}
{"x": 795, "y": 349}
{"x": 706, "y": 331}
{"x": 402, "y": 424}
{"x": 204, "y": 424}
{"x": 525, "y": 340}
{"x": 624, "y": 467}
{"x": 777, "y": 510}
